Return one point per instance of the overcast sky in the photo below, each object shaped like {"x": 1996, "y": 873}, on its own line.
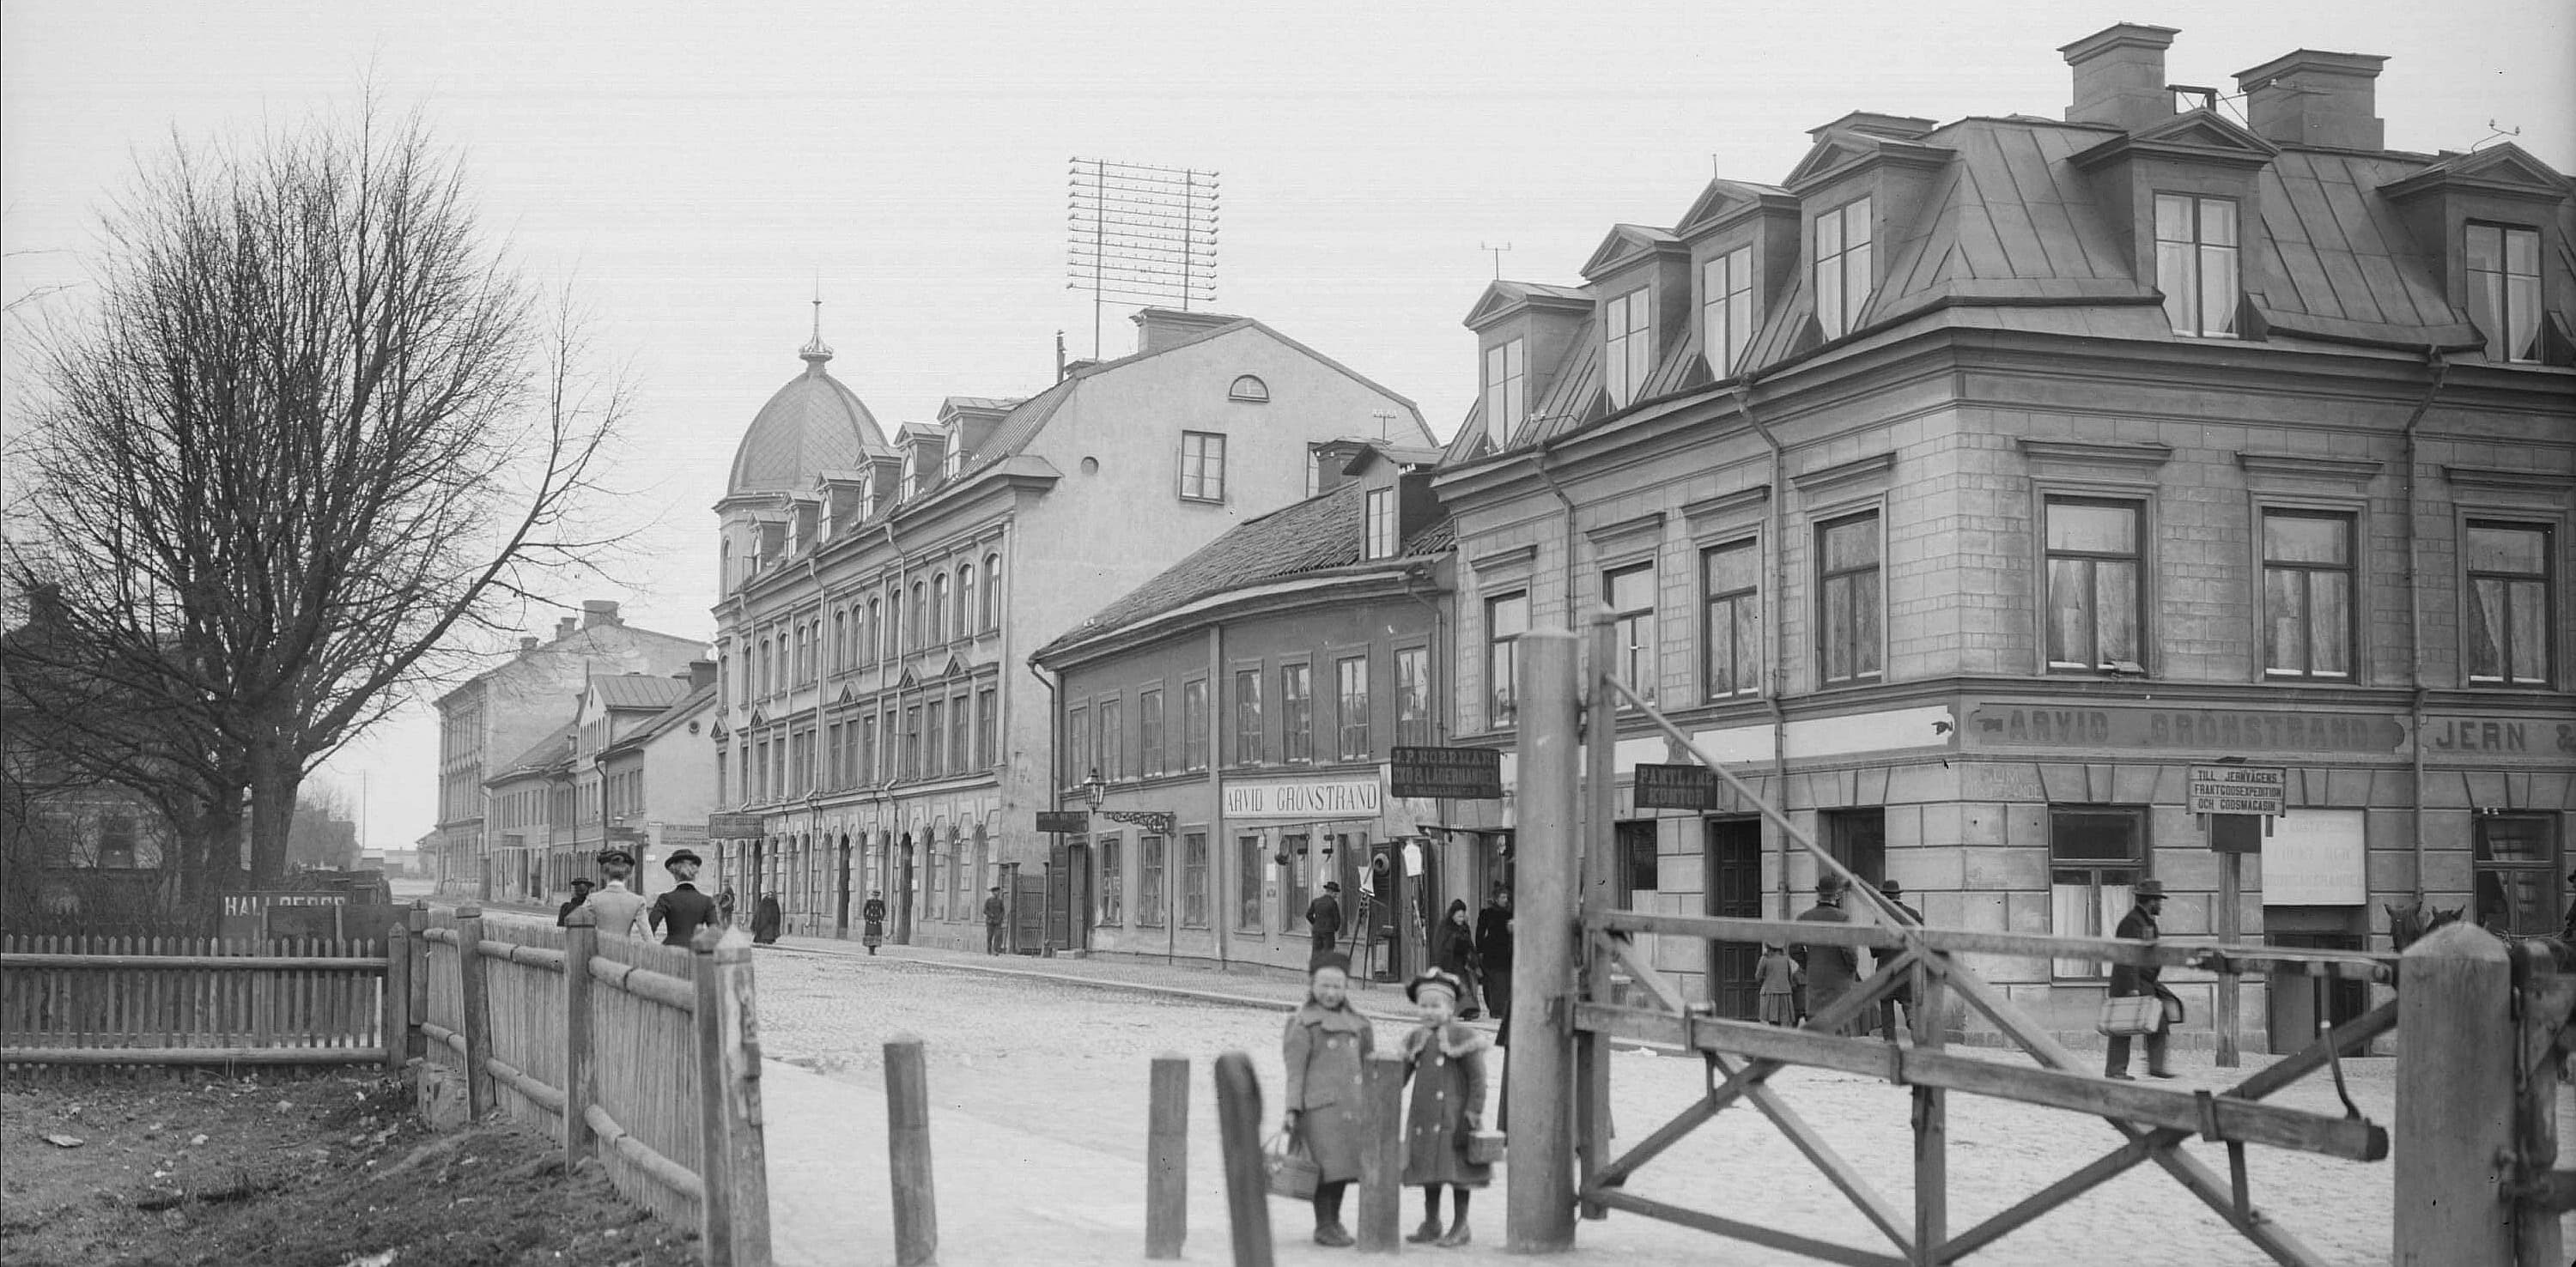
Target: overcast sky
{"x": 694, "y": 169}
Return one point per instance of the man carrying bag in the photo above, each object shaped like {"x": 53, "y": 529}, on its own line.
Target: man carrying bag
{"x": 2137, "y": 1004}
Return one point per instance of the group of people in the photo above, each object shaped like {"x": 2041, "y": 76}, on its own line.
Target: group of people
{"x": 1473, "y": 956}
{"x": 675, "y": 916}
{"x": 1327, "y": 1043}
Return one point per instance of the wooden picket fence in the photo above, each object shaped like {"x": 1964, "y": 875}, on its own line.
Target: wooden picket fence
{"x": 646, "y": 1057}
{"x": 104, "y": 1002}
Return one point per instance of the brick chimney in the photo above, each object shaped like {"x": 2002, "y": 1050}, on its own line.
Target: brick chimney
{"x": 2313, "y": 98}
{"x": 2120, "y": 76}
{"x": 527, "y": 643}
{"x": 598, "y": 611}
{"x": 564, "y": 628}
{"x": 1159, "y": 328}
{"x": 700, "y": 674}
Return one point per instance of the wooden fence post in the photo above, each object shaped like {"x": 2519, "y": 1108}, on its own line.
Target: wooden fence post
{"x": 416, "y": 921}
{"x": 2542, "y": 1009}
{"x": 2454, "y": 1101}
{"x": 1593, "y": 865}
{"x": 397, "y": 1019}
{"x": 477, "y": 1005}
{"x": 916, "y": 1208}
{"x": 581, "y": 1077}
{"x": 1167, "y": 1156}
{"x": 1931, "y": 1123}
{"x": 1247, "y": 1179}
{"x": 746, "y": 1141}
{"x": 1537, "y": 1091}
{"x": 715, "y": 1181}
{"x": 1381, "y": 1217}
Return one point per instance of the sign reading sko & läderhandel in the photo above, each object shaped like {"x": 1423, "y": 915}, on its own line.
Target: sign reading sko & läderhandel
{"x": 1314, "y": 799}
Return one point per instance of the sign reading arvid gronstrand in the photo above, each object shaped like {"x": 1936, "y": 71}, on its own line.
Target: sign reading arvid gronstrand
{"x": 2239, "y": 789}
{"x": 1455, "y": 774}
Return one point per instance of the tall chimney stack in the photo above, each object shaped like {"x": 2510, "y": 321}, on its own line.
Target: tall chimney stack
{"x": 2313, "y": 98}
{"x": 598, "y": 611}
{"x": 564, "y": 628}
{"x": 2120, "y": 76}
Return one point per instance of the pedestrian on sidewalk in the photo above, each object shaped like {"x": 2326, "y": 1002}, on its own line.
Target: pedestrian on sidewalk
{"x": 1327, "y": 1043}
{"x": 724, "y": 905}
{"x": 2130, "y": 979}
{"x": 1832, "y": 970}
{"x": 680, "y": 912}
{"x": 872, "y": 917}
{"x": 621, "y": 913}
{"x": 766, "y": 919}
{"x": 1454, "y": 952}
{"x": 581, "y": 887}
{"x": 1779, "y": 976}
{"x": 1494, "y": 956}
{"x": 1324, "y": 918}
{"x": 1445, "y": 1061}
{"x": 993, "y": 912}
{"x": 1903, "y": 995}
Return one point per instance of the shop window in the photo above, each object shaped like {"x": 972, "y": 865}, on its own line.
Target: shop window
{"x": 1248, "y": 864}
{"x": 2517, "y": 875}
{"x": 1636, "y": 860}
{"x": 2094, "y": 581}
{"x": 2096, "y": 855}
{"x": 1296, "y": 880}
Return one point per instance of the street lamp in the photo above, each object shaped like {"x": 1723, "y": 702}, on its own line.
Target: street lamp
{"x": 1093, "y": 788}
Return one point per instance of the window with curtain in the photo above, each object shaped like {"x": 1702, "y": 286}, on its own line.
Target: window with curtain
{"x": 1249, "y": 746}
{"x": 1149, "y": 732}
{"x": 2307, "y": 594}
{"x": 1194, "y": 879}
{"x": 1413, "y": 696}
{"x": 1730, "y": 577}
{"x": 935, "y": 614}
{"x": 1248, "y": 864}
{"x": 2196, "y": 263}
{"x": 934, "y": 751}
{"x": 1112, "y": 885}
{"x": 1848, "y": 599}
{"x": 1506, "y": 619}
{"x": 2516, "y": 874}
{"x": 2096, "y": 856}
{"x": 1149, "y": 881}
{"x": 1113, "y": 739}
{"x": 1194, "y": 724}
{"x": 1202, "y": 466}
{"x": 1843, "y": 263}
{"x": 1296, "y": 713}
{"x": 992, "y": 591}
{"x": 1077, "y": 730}
{"x": 2511, "y": 609}
{"x": 2094, "y": 579}
{"x": 2504, "y": 289}
{"x": 988, "y": 724}
{"x": 1351, "y": 709}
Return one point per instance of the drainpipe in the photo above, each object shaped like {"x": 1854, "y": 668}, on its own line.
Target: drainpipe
{"x": 1055, "y": 801}
{"x": 1220, "y": 839}
{"x": 2415, "y": 612}
{"x": 1775, "y": 599}
{"x": 1538, "y": 464}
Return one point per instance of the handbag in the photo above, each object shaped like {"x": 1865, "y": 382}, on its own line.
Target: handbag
{"x": 1484, "y": 1148}
{"x": 2173, "y": 1008}
{"x": 2131, "y": 1015}
{"x": 1292, "y": 1169}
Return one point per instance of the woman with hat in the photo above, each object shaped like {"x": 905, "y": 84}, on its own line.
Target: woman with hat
{"x": 681, "y": 910}
{"x": 1445, "y": 1061}
{"x": 1454, "y": 952}
{"x": 1327, "y": 1043}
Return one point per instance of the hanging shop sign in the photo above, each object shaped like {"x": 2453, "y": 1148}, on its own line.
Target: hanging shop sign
{"x": 1455, "y": 774}
{"x": 1313, "y": 799}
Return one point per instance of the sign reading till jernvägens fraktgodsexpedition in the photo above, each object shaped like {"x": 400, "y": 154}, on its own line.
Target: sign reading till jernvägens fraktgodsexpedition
{"x": 2239, "y": 789}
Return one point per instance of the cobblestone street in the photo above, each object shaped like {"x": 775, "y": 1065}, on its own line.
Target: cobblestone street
{"x": 1057, "y": 1051}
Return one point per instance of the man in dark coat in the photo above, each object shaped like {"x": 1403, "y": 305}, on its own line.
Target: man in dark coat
{"x": 1494, "y": 952}
{"x": 993, "y": 912}
{"x": 581, "y": 887}
{"x": 2128, "y": 980}
{"x": 1903, "y": 994}
{"x": 679, "y": 912}
{"x": 1831, "y": 970}
{"x": 1324, "y": 916}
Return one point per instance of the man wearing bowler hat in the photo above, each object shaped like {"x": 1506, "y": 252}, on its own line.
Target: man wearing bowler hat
{"x": 1902, "y": 995}
{"x": 679, "y": 912}
{"x": 2130, "y": 979}
{"x": 1831, "y": 970}
{"x": 1324, "y": 919}
{"x": 619, "y": 910}
{"x": 581, "y": 887}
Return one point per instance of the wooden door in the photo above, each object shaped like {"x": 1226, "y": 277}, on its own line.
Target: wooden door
{"x": 1734, "y": 888}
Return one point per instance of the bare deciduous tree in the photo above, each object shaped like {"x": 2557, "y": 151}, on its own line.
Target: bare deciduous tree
{"x": 310, "y": 430}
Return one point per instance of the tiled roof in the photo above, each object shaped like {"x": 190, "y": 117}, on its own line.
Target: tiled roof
{"x": 639, "y": 690}
{"x": 689, "y": 705}
{"x": 814, "y": 423}
{"x": 556, "y": 746}
{"x": 1322, "y": 532}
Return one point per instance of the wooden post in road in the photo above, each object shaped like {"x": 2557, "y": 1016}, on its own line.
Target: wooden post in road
{"x": 1167, "y": 1157}
{"x": 916, "y": 1210}
{"x": 1247, "y": 1179}
{"x": 1381, "y": 1217}
{"x": 476, "y": 1004}
{"x": 2454, "y": 1102}
{"x": 1538, "y": 1089}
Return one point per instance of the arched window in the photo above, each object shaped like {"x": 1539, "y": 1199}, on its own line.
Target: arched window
{"x": 992, "y": 591}
{"x": 1246, "y": 387}
{"x": 937, "y": 616}
{"x": 893, "y": 622}
{"x": 965, "y": 600}
{"x": 840, "y": 639}
{"x": 869, "y": 633}
{"x": 920, "y": 600}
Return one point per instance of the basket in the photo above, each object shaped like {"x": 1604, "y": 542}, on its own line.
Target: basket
{"x": 2131, "y": 1015}
{"x": 1292, "y": 1169}
{"x": 1484, "y": 1148}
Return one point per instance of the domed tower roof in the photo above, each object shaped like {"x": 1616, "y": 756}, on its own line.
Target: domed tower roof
{"x": 812, "y": 424}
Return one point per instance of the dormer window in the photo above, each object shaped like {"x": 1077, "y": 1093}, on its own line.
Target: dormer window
{"x": 952, "y": 459}
{"x": 911, "y": 472}
{"x": 1629, "y": 326}
{"x": 2504, "y": 290}
{"x": 1726, "y": 308}
{"x": 1506, "y": 389}
{"x": 2196, "y": 263}
{"x": 1248, "y": 388}
{"x": 1378, "y": 541}
{"x": 867, "y": 500}
{"x": 1843, "y": 277}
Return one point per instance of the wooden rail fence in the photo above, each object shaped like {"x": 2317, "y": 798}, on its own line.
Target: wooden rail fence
{"x": 644, "y": 1056}
{"x": 129, "y": 1001}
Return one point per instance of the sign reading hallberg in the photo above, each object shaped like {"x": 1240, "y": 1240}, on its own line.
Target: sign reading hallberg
{"x": 1676, "y": 787}
{"x": 1453, "y": 774}
{"x": 1315, "y": 799}
{"x": 733, "y": 826}
{"x": 2239, "y": 789}
{"x": 1071, "y": 821}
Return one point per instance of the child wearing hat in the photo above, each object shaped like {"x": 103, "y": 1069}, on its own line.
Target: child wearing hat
{"x": 1445, "y": 1061}
{"x": 1779, "y": 977}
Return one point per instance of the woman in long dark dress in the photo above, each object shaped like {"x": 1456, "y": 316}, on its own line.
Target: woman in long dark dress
{"x": 1327, "y": 1043}
{"x": 1454, "y": 951}
{"x": 872, "y": 917}
{"x": 764, "y": 925}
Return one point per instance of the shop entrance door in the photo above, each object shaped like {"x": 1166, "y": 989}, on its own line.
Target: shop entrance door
{"x": 1734, "y": 888}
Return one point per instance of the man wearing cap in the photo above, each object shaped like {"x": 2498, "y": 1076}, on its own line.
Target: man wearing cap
{"x": 1324, "y": 916}
{"x": 993, "y": 912}
{"x": 1831, "y": 970}
{"x": 1903, "y": 994}
{"x": 2131, "y": 979}
{"x": 619, "y": 911}
{"x": 581, "y": 887}
{"x": 679, "y": 912}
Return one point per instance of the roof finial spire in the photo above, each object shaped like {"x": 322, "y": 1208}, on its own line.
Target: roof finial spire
{"x": 816, "y": 351}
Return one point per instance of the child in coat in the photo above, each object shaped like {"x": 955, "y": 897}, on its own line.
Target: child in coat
{"x": 1780, "y": 977}
{"x": 1445, "y": 1061}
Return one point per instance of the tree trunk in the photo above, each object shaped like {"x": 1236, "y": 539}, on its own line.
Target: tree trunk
{"x": 275, "y": 774}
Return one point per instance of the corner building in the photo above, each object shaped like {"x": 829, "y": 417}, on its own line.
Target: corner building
{"x": 1969, "y": 485}
{"x": 881, "y": 592}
